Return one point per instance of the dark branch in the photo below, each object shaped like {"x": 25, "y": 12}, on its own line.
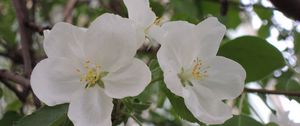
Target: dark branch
{"x": 7, "y": 75}
{"x": 288, "y": 7}
{"x": 276, "y": 92}
{"x": 36, "y": 28}
{"x": 224, "y": 7}
{"x": 25, "y": 32}
{"x": 19, "y": 94}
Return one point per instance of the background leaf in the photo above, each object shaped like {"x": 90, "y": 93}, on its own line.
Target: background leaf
{"x": 46, "y": 116}
{"x": 241, "y": 120}
{"x": 256, "y": 55}
{"x": 9, "y": 118}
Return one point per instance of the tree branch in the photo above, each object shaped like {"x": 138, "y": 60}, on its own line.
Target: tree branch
{"x": 22, "y": 96}
{"x": 68, "y": 10}
{"x": 224, "y": 7}
{"x": 36, "y": 28}
{"x": 25, "y": 32}
{"x": 275, "y": 92}
{"x": 288, "y": 7}
{"x": 7, "y": 75}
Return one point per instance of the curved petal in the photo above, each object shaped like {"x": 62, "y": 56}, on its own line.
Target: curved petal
{"x": 46, "y": 33}
{"x": 226, "y": 78}
{"x": 205, "y": 106}
{"x": 130, "y": 80}
{"x": 181, "y": 40}
{"x": 140, "y": 12}
{"x": 168, "y": 60}
{"x": 173, "y": 83}
{"x": 209, "y": 35}
{"x": 64, "y": 40}
{"x": 178, "y": 26}
{"x": 156, "y": 34}
{"x": 170, "y": 65}
{"x": 54, "y": 81}
{"x": 91, "y": 107}
{"x": 112, "y": 41}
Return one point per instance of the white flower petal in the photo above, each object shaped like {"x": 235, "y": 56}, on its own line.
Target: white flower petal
{"x": 170, "y": 65}
{"x": 181, "y": 40}
{"x": 46, "y": 33}
{"x": 140, "y": 12}
{"x": 91, "y": 107}
{"x": 112, "y": 41}
{"x": 205, "y": 106}
{"x": 209, "y": 33}
{"x": 54, "y": 80}
{"x": 178, "y": 26}
{"x": 168, "y": 60}
{"x": 226, "y": 78}
{"x": 173, "y": 83}
{"x": 130, "y": 80}
{"x": 64, "y": 40}
{"x": 156, "y": 34}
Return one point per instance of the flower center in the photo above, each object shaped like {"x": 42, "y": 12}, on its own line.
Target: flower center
{"x": 196, "y": 72}
{"x": 92, "y": 75}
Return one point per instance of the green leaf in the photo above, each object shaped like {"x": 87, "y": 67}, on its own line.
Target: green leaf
{"x": 157, "y": 73}
{"x": 233, "y": 18}
{"x": 46, "y": 116}
{"x": 264, "y": 31}
{"x": 184, "y": 10}
{"x": 241, "y": 120}
{"x": 9, "y": 118}
{"x": 256, "y": 55}
{"x": 157, "y": 8}
{"x": 263, "y": 13}
{"x": 210, "y": 8}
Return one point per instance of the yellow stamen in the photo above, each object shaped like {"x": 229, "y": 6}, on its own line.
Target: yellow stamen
{"x": 92, "y": 76}
{"x": 196, "y": 72}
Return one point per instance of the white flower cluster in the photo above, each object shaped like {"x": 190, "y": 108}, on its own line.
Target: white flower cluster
{"x": 89, "y": 67}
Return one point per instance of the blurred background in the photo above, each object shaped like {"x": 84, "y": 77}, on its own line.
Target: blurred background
{"x": 277, "y": 21}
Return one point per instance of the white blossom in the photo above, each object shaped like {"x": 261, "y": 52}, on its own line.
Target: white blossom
{"x": 193, "y": 71}
{"x": 89, "y": 67}
{"x": 141, "y": 12}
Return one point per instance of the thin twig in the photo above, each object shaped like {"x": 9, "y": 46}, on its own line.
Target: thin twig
{"x": 36, "y": 28}
{"x": 68, "y": 10}
{"x": 5, "y": 74}
{"x": 136, "y": 120}
{"x": 22, "y": 97}
{"x": 25, "y": 32}
{"x": 275, "y": 92}
{"x": 224, "y": 7}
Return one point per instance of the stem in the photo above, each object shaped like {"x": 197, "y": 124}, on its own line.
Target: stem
{"x": 25, "y": 33}
{"x": 68, "y": 10}
{"x": 275, "y": 92}
{"x": 18, "y": 93}
{"x": 136, "y": 120}
{"x": 5, "y": 74}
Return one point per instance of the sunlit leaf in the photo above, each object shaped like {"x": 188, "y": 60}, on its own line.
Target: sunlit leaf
{"x": 256, "y": 55}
